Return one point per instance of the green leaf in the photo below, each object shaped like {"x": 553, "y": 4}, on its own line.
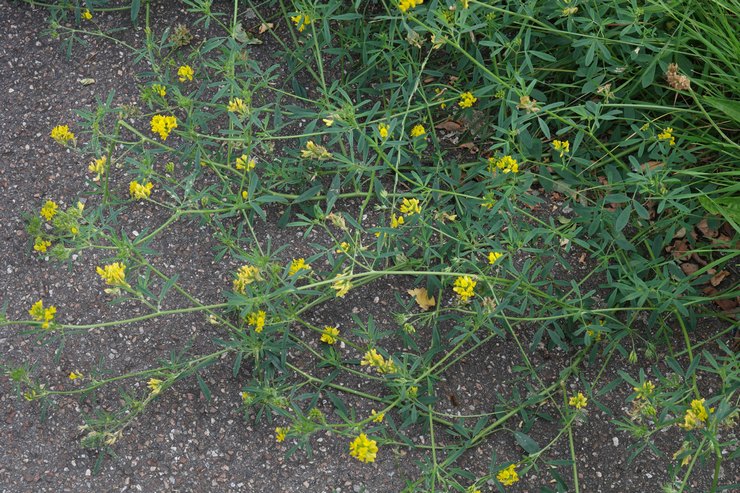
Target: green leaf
{"x": 526, "y": 442}
{"x": 203, "y": 387}
{"x": 623, "y": 218}
{"x": 727, "y": 106}
{"x": 727, "y": 207}
{"x": 135, "y": 6}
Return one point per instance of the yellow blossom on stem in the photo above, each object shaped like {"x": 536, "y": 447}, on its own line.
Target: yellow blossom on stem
{"x": 645, "y": 390}
{"x": 494, "y": 256}
{"x": 315, "y": 151}
{"x": 508, "y": 476}
{"x": 245, "y": 162}
{"x": 301, "y": 21}
{"x": 418, "y": 131}
{"x": 159, "y": 89}
{"x": 396, "y": 221}
{"x": 374, "y": 359}
{"x": 185, "y": 72}
{"x": 139, "y": 191}
{"x": 561, "y": 146}
{"x": 246, "y": 275}
{"x": 113, "y": 274}
{"x": 667, "y": 135}
{"x": 405, "y": 5}
{"x": 281, "y": 432}
{"x": 329, "y": 335}
{"x": 237, "y": 105}
{"x": 163, "y": 125}
{"x": 696, "y": 415}
{"x": 377, "y": 417}
{"x": 97, "y": 167}
{"x": 298, "y": 265}
{"x": 49, "y": 210}
{"x": 568, "y": 11}
{"x": 467, "y": 100}
{"x": 257, "y": 319}
{"x": 410, "y": 207}
{"x": 507, "y": 164}
{"x": 62, "y": 135}
{"x": 75, "y": 375}
{"x": 342, "y": 287}
{"x": 87, "y": 15}
{"x": 155, "y": 385}
{"x": 578, "y": 401}
{"x": 343, "y": 248}
{"x": 363, "y": 448}
{"x": 383, "y": 130}
{"x": 40, "y": 245}
{"x": 464, "y": 287}
{"x": 43, "y": 315}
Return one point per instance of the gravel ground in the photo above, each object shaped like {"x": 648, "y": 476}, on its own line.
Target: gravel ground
{"x": 183, "y": 442}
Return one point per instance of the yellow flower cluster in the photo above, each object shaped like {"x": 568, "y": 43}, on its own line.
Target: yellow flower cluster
{"x": 185, "y": 72}
{"x": 410, "y": 207}
{"x": 155, "y": 385}
{"x": 315, "y": 151}
{"x": 578, "y": 401}
{"x": 139, "y": 191}
{"x": 245, "y": 162}
{"x": 280, "y": 433}
{"x": 667, "y": 135}
{"x": 507, "y": 164}
{"x": 396, "y": 221}
{"x": 298, "y": 265}
{"x": 696, "y": 415}
{"x": 74, "y": 375}
{"x": 40, "y": 244}
{"x": 363, "y": 448}
{"x": 377, "y": 417}
{"x": 237, "y": 105}
{"x": 342, "y": 287}
{"x": 383, "y": 130}
{"x": 645, "y": 390}
{"x": 87, "y": 15}
{"x": 329, "y": 335}
{"x": 568, "y": 11}
{"x": 49, "y": 210}
{"x": 374, "y": 359}
{"x": 508, "y": 476}
{"x": 62, "y": 135}
{"x": 246, "y": 275}
{"x": 97, "y": 167}
{"x": 467, "y": 100}
{"x": 464, "y": 287}
{"x": 301, "y": 21}
{"x": 41, "y": 314}
{"x": 159, "y": 89}
{"x": 561, "y": 146}
{"x": 113, "y": 274}
{"x": 494, "y": 256}
{"x": 418, "y": 131}
{"x": 405, "y": 5}
{"x": 163, "y": 125}
{"x": 257, "y": 319}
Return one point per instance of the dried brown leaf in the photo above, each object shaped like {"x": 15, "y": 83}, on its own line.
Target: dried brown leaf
{"x": 717, "y": 279}
{"x": 422, "y": 298}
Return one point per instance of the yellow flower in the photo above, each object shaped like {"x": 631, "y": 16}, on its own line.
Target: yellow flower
{"x": 301, "y": 21}
{"x": 246, "y": 274}
{"x": 696, "y": 416}
{"x": 396, "y": 221}
{"x": 383, "y": 130}
{"x": 464, "y": 287}
{"x": 159, "y": 89}
{"x": 667, "y": 134}
{"x": 237, "y": 105}
{"x": 413, "y": 392}
{"x": 113, "y": 274}
{"x": 405, "y": 5}
{"x": 467, "y": 100}
{"x": 281, "y": 432}
{"x": 363, "y": 449}
{"x": 329, "y": 335}
{"x": 343, "y": 247}
{"x": 494, "y": 256}
{"x": 258, "y": 320}
{"x": 155, "y": 385}
{"x": 410, "y": 207}
{"x": 314, "y": 151}
{"x": 507, "y": 164}
{"x": 41, "y": 314}
{"x": 138, "y": 191}
{"x": 97, "y": 166}
{"x": 163, "y": 125}
{"x": 185, "y": 72}
{"x": 49, "y": 210}
{"x": 244, "y": 162}
{"x": 562, "y": 146}
{"x": 578, "y": 401}
{"x": 40, "y": 245}
{"x": 86, "y": 14}
{"x": 465, "y": 3}
{"x": 568, "y": 11}
{"x": 62, "y": 135}
{"x": 245, "y": 194}
{"x": 645, "y": 390}
{"x": 374, "y": 359}
{"x": 377, "y": 417}
{"x": 75, "y": 375}
{"x": 508, "y": 476}
{"x": 298, "y": 265}
{"x": 418, "y": 131}
{"x": 342, "y": 287}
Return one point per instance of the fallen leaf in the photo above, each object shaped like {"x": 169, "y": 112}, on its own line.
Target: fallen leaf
{"x": 716, "y": 279}
{"x": 703, "y": 226}
{"x": 688, "y": 268}
{"x": 422, "y": 298}
{"x": 472, "y": 148}
{"x": 449, "y": 125}
{"x": 265, "y": 26}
